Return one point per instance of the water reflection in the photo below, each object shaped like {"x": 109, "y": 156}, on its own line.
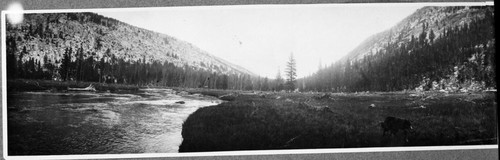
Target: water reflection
{"x": 149, "y": 121}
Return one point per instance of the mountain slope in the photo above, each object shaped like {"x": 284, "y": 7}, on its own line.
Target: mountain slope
{"x": 49, "y": 34}
{"x": 437, "y": 19}
{"x": 438, "y": 48}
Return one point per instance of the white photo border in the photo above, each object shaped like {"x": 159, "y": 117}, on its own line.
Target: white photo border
{"x": 225, "y": 153}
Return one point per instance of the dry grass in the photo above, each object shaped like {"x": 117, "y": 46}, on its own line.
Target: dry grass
{"x": 300, "y": 120}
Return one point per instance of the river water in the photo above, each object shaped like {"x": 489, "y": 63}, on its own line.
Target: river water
{"x": 147, "y": 121}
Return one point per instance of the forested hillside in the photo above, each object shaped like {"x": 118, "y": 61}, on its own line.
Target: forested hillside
{"x": 436, "y": 48}
{"x": 90, "y": 47}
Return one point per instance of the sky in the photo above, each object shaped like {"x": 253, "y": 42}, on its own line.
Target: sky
{"x": 261, "y": 38}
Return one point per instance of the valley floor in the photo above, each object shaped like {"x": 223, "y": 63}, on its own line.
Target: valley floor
{"x": 268, "y": 120}
{"x": 251, "y": 120}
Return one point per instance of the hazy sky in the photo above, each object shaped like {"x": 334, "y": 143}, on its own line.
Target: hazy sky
{"x": 262, "y": 37}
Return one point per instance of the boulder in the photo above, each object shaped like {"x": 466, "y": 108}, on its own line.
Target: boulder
{"x": 371, "y": 106}
{"x": 180, "y": 102}
{"x": 182, "y": 93}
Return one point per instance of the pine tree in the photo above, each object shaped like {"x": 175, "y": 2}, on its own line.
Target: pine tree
{"x": 21, "y": 68}
{"x": 11, "y": 58}
{"x": 66, "y": 64}
{"x": 265, "y": 84}
{"x": 431, "y": 36}
{"x": 291, "y": 73}
{"x": 278, "y": 86}
{"x": 423, "y": 35}
{"x": 79, "y": 63}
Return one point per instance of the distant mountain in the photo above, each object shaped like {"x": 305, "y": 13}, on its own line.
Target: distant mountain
{"x": 435, "y": 48}
{"x": 49, "y": 34}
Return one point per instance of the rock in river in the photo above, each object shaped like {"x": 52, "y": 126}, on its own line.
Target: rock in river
{"x": 180, "y": 102}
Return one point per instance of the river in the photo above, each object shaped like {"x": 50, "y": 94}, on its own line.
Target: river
{"x": 58, "y": 123}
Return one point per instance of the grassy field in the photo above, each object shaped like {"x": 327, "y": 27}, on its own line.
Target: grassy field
{"x": 315, "y": 120}
{"x": 49, "y": 85}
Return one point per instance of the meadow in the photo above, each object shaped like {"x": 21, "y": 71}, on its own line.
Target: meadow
{"x": 268, "y": 120}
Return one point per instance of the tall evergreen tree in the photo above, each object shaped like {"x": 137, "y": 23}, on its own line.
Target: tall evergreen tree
{"x": 265, "y": 84}
{"x": 66, "y": 64}
{"x": 21, "y": 67}
{"x": 278, "y": 86}
{"x": 79, "y": 63}
{"x": 11, "y": 57}
{"x": 291, "y": 73}
{"x": 431, "y": 36}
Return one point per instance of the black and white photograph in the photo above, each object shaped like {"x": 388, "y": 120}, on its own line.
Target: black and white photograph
{"x": 230, "y": 78}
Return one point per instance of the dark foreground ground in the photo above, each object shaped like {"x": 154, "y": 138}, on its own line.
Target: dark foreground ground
{"x": 259, "y": 121}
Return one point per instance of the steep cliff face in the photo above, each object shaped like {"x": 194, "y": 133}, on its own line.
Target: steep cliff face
{"x": 49, "y": 34}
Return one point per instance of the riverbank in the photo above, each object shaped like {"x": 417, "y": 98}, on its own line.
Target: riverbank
{"x": 266, "y": 120}
{"x": 49, "y": 85}
{"x": 213, "y": 92}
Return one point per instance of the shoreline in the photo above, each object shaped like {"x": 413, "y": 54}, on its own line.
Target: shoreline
{"x": 14, "y": 85}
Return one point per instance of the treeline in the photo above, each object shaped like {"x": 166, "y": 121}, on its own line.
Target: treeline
{"x": 77, "y": 65}
{"x": 465, "y": 52}
{"x": 110, "y": 69}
